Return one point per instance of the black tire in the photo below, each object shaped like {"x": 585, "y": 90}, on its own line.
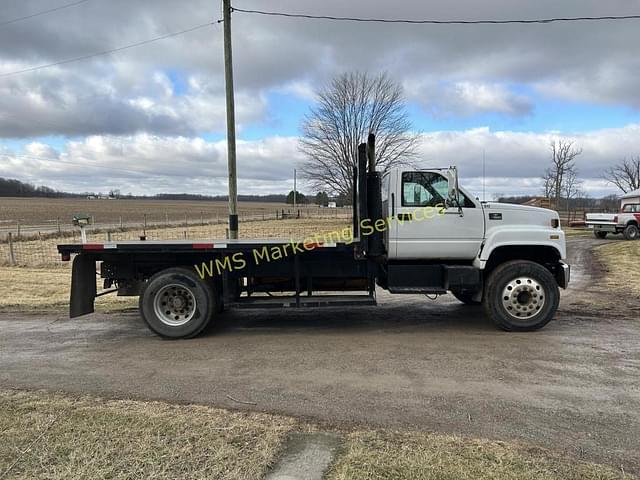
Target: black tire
{"x": 465, "y": 297}
{"x": 515, "y": 291}
{"x": 600, "y": 235}
{"x": 631, "y": 232}
{"x": 181, "y": 287}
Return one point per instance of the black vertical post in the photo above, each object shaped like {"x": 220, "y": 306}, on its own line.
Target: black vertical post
{"x": 362, "y": 190}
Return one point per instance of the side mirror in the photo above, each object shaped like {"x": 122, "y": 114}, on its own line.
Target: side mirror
{"x": 454, "y": 194}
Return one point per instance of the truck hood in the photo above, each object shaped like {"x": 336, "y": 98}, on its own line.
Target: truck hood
{"x": 513, "y": 214}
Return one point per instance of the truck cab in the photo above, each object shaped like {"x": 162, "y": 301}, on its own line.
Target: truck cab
{"x": 439, "y": 227}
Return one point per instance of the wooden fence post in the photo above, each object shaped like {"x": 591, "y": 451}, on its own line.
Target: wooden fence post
{"x": 12, "y": 255}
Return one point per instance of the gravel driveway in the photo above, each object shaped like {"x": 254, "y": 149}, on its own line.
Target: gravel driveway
{"x": 409, "y": 363}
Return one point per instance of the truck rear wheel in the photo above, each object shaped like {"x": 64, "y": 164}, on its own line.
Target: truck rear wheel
{"x": 465, "y": 297}
{"x": 521, "y": 296}
{"x": 176, "y": 303}
{"x": 630, "y": 232}
{"x": 600, "y": 235}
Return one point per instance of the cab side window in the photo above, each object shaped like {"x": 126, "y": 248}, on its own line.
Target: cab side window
{"x": 427, "y": 189}
{"x": 422, "y": 189}
{"x": 631, "y": 208}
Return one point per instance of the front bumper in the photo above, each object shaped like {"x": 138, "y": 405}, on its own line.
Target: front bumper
{"x": 563, "y": 274}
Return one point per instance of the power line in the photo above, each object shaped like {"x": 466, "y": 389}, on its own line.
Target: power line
{"x": 106, "y": 52}
{"x": 435, "y": 22}
{"x": 43, "y": 12}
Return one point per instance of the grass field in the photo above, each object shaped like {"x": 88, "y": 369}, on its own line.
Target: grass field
{"x": 373, "y": 455}
{"x": 56, "y": 437}
{"x": 620, "y": 259}
{"x": 31, "y": 289}
{"x": 40, "y": 211}
{"x": 52, "y": 436}
{"x": 577, "y": 232}
{"x": 41, "y": 252}
{"x": 43, "y": 282}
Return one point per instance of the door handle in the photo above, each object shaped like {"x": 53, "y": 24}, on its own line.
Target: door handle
{"x": 460, "y": 213}
{"x": 405, "y": 216}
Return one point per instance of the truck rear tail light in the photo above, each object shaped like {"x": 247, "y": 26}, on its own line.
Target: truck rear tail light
{"x": 555, "y": 222}
{"x": 615, "y": 219}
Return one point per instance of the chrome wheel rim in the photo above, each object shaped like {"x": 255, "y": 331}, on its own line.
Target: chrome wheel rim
{"x": 523, "y": 298}
{"x": 174, "y": 305}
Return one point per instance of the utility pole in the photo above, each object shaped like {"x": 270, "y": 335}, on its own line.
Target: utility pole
{"x": 231, "y": 121}
{"x": 295, "y": 193}
{"x": 484, "y": 175}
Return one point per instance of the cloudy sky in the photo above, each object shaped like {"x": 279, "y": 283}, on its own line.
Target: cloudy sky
{"x": 151, "y": 119}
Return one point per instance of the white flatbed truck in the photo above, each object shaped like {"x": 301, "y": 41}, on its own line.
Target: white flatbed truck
{"x": 433, "y": 237}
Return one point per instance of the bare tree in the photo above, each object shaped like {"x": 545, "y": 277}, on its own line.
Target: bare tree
{"x": 572, "y": 185}
{"x": 625, "y": 175}
{"x": 563, "y": 155}
{"x": 548, "y": 185}
{"x": 351, "y": 107}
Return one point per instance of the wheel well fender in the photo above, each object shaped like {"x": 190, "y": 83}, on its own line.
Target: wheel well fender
{"x": 545, "y": 255}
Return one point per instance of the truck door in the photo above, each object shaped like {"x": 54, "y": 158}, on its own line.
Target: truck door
{"x": 425, "y": 228}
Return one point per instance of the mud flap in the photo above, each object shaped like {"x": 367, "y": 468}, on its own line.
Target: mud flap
{"x": 83, "y": 286}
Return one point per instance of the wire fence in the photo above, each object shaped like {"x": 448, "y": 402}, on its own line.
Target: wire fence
{"x": 41, "y": 250}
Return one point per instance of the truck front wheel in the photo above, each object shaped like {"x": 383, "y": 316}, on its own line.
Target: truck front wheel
{"x": 521, "y": 296}
{"x": 630, "y": 232}
{"x": 175, "y": 303}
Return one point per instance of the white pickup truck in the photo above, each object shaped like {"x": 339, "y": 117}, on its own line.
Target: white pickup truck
{"x": 625, "y": 222}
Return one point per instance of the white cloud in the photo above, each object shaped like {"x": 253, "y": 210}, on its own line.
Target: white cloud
{"x": 469, "y": 68}
{"x": 466, "y": 98}
{"x": 151, "y": 164}
{"x": 147, "y": 164}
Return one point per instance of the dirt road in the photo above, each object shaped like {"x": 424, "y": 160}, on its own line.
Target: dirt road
{"x": 408, "y": 363}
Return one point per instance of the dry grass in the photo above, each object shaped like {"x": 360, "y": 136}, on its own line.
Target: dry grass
{"x": 47, "y": 289}
{"x": 90, "y": 438}
{"x": 56, "y": 437}
{"x": 45, "y": 283}
{"x": 620, "y": 259}
{"x": 390, "y": 455}
{"x": 41, "y": 211}
{"x": 44, "y": 252}
{"x": 577, "y": 232}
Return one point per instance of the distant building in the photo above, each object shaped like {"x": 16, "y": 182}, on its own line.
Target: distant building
{"x": 332, "y": 205}
{"x": 631, "y": 197}
{"x": 542, "y": 202}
